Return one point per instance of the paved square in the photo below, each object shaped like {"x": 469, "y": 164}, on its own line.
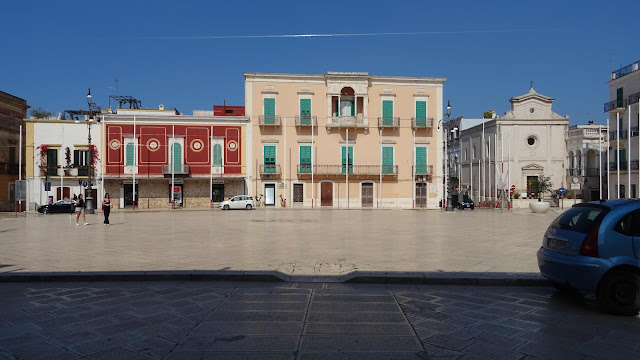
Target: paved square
{"x": 303, "y": 245}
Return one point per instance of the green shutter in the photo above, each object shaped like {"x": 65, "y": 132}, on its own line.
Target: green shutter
{"x": 620, "y": 97}
{"x": 344, "y": 160}
{"x": 337, "y": 112}
{"x": 269, "y": 111}
{"x": 623, "y": 159}
{"x": 387, "y": 160}
{"x": 421, "y": 113}
{"x": 217, "y": 155}
{"x": 387, "y": 113}
{"x": 129, "y": 154}
{"x": 176, "y": 157}
{"x": 421, "y": 160}
{"x": 305, "y": 159}
{"x": 353, "y": 108}
{"x": 269, "y": 159}
{"x": 305, "y": 111}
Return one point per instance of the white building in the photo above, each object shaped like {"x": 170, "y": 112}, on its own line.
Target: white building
{"x": 58, "y": 152}
{"x": 622, "y": 107}
{"x": 587, "y": 161}
{"x": 514, "y": 149}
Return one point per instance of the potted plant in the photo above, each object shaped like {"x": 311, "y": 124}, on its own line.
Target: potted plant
{"x": 41, "y": 152}
{"x": 67, "y": 159}
{"x": 516, "y": 195}
{"x": 540, "y": 186}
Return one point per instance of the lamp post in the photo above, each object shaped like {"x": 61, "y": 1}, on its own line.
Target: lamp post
{"x": 89, "y": 197}
{"x": 449, "y": 206}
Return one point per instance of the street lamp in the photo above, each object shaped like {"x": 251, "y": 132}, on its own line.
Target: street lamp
{"x": 449, "y": 206}
{"x": 89, "y": 197}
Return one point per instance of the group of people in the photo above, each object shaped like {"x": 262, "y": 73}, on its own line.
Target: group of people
{"x": 80, "y": 204}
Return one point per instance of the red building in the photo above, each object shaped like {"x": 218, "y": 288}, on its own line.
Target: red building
{"x": 203, "y": 156}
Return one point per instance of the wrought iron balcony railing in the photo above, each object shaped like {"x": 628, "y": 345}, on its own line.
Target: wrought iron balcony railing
{"x": 388, "y": 122}
{"x": 270, "y": 169}
{"x": 306, "y": 120}
{"x": 355, "y": 170}
{"x": 614, "y": 166}
{"x": 634, "y": 165}
{"x": 615, "y": 105}
{"x": 178, "y": 169}
{"x": 593, "y": 172}
{"x": 269, "y": 120}
{"x": 421, "y": 123}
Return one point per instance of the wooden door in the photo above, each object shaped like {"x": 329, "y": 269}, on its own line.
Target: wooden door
{"x": 367, "y": 195}
{"x": 421, "y": 195}
{"x": 326, "y": 194}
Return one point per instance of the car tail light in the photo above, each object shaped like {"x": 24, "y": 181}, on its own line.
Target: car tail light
{"x": 590, "y": 243}
{"x": 250, "y": 197}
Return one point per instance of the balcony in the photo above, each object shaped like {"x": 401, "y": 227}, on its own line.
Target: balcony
{"x": 593, "y": 172}
{"x": 8, "y": 168}
{"x": 421, "y": 123}
{"x": 269, "y": 170}
{"x": 587, "y": 133}
{"x": 574, "y": 172}
{"x": 347, "y": 122}
{"x": 634, "y": 165}
{"x": 178, "y": 169}
{"x": 634, "y": 98}
{"x": 306, "y": 121}
{"x": 615, "y": 105}
{"x": 269, "y": 120}
{"x": 388, "y": 122}
{"x": 354, "y": 170}
{"x": 423, "y": 170}
{"x": 613, "y": 136}
{"x": 613, "y": 166}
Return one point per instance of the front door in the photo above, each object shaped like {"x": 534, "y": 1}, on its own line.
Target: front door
{"x": 269, "y": 194}
{"x": 421, "y": 195}
{"x": 218, "y": 192}
{"x": 66, "y": 191}
{"x": 298, "y": 194}
{"x": 177, "y": 194}
{"x": 530, "y": 182}
{"x": 326, "y": 194}
{"x": 128, "y": 194}
{"x": 367, "y": 195}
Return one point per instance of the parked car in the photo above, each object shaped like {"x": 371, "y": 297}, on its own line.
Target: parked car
{"x": 467, "y": 202}
{"x": 238, "y": 202}
{"x": 60, "y": 206}
{"x": 595, "y": 247}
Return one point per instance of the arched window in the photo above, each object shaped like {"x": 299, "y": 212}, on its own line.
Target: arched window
{"x": 217, "y": 155}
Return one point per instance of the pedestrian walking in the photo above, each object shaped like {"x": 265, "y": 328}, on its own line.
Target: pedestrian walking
{"x": 80, "y": 210}
{"x": 106, "y": 207}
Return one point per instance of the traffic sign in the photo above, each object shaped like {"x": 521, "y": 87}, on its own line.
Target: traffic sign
{"x": 84, "y": 184}
{"x": 562, "y": 190}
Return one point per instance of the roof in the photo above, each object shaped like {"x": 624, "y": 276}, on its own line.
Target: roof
{"x": 531, "y": 94}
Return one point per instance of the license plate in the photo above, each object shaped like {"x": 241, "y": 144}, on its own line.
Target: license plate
{"x": 556, "y": 244}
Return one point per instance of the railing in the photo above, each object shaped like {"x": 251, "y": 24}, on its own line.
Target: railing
{"x": 574, "y": 172}
{"x": 423, "y": 170}
{"x": 613, "y": 135}
{"x": 586, "y": 132}
{"x": 615, "y": 104}
{"x": 83, "y": 170}
{"x": 634, "y": 131}
{"x": 634, "y": 98}
{"x": 624, "y": 71}
{"x": 270, "y": 169}
{"x": 347, "y": 121}
{"x": 593, "y": 172}
{"x": 390, "y": 122}
{"x": 634, "y": 165}
{"x": 421, "y": 123}
{"x": 178, "y": 169}
{"x": 9, "y": 168}
{"x": 614, "y": 165}
{"x": 306, "y": 120}
{"x": 269, "y": 120}
{"x": 355, "y": 170}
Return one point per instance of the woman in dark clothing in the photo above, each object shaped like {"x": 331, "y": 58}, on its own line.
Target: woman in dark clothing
{"x": 106, "y": 207}
{"x": 80, "y": 210}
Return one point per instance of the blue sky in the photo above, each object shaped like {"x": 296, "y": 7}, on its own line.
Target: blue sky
{"x": 53, "y": 51}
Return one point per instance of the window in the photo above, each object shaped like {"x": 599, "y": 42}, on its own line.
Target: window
{"x": 217, "y": 155}
{"x": 473, "y": 152}
{"x": 421, "y": 160}
{"x": 52, "y": 161}
{"x": 176, "y": 157}
{"x": 347, "y": 159}
{"x": 305, "y": 111}
{"x": 630, "y": 224}
{"x": 269, "y": 159}
{"x": 633, "y": 191}
{"x": 305, "y": 159}
{"x": 129, "y": 154}
{"x": 80, "y": 161}
{"x": 421, "y": 113}
{"x": 298, "y": 194}
{"x": 270, "y": 111}
{"x": 347, "y": 108}
{"x": 387, "y": 112}
{"x": 387, "y": 160}
{"x": 531, "y": 140}
{"x": 466, "y": 155}
{"x": 580, "y": 219}
{"x": 620, "y": 97}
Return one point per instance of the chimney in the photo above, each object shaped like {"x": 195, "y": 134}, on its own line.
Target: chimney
{"x": 161, "y": 107}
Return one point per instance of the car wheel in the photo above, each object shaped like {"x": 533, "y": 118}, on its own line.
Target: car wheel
{"x": 619, "y": 293}
{"x": 45, "y": 211}
{"x": 472, "y": 207}
{"x": 248, "y": 206}
{"x": 226, "y": 207}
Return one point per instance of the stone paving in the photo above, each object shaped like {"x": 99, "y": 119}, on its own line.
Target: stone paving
{"x": 304, "y": 321}
{"x": 300, "y": 245}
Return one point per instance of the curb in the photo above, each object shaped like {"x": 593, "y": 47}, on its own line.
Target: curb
{"x": 274, "y": 276}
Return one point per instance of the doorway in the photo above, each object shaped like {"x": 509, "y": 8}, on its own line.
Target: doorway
{"x": 66, "y": 192}
{"x": 367, "y": 194}
{"x": 421, "y": 195}
{"x": 269, "y": 194}
{"x": 128, "y": 195}
{"x": 326, "y": 194}
{"x": 298, "y": 194}
{"x": 530, "y": 181}
{"x": 218, "y": 192}
{"x": 177, "y": 194}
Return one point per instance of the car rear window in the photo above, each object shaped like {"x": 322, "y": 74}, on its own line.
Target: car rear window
{"x": 580, "y": 219}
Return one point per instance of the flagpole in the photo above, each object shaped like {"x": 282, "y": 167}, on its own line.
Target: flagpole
{"x": 600, "y": 157}
{"x": 629, "y": 155}
{"x": 618, "y": 152}
{"x": 608, "y": 166}
{"x": 135, "y": 162}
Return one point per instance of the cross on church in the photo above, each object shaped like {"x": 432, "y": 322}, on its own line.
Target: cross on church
{"x": 532, "y": 84}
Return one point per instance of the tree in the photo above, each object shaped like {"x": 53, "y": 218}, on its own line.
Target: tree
{"x": 488, "y": 114}
{"x": 39, "y": 113}
{"x": 542, "y": 185}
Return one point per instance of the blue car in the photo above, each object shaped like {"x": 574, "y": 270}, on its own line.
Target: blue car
{"x": 595, "y": 247}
